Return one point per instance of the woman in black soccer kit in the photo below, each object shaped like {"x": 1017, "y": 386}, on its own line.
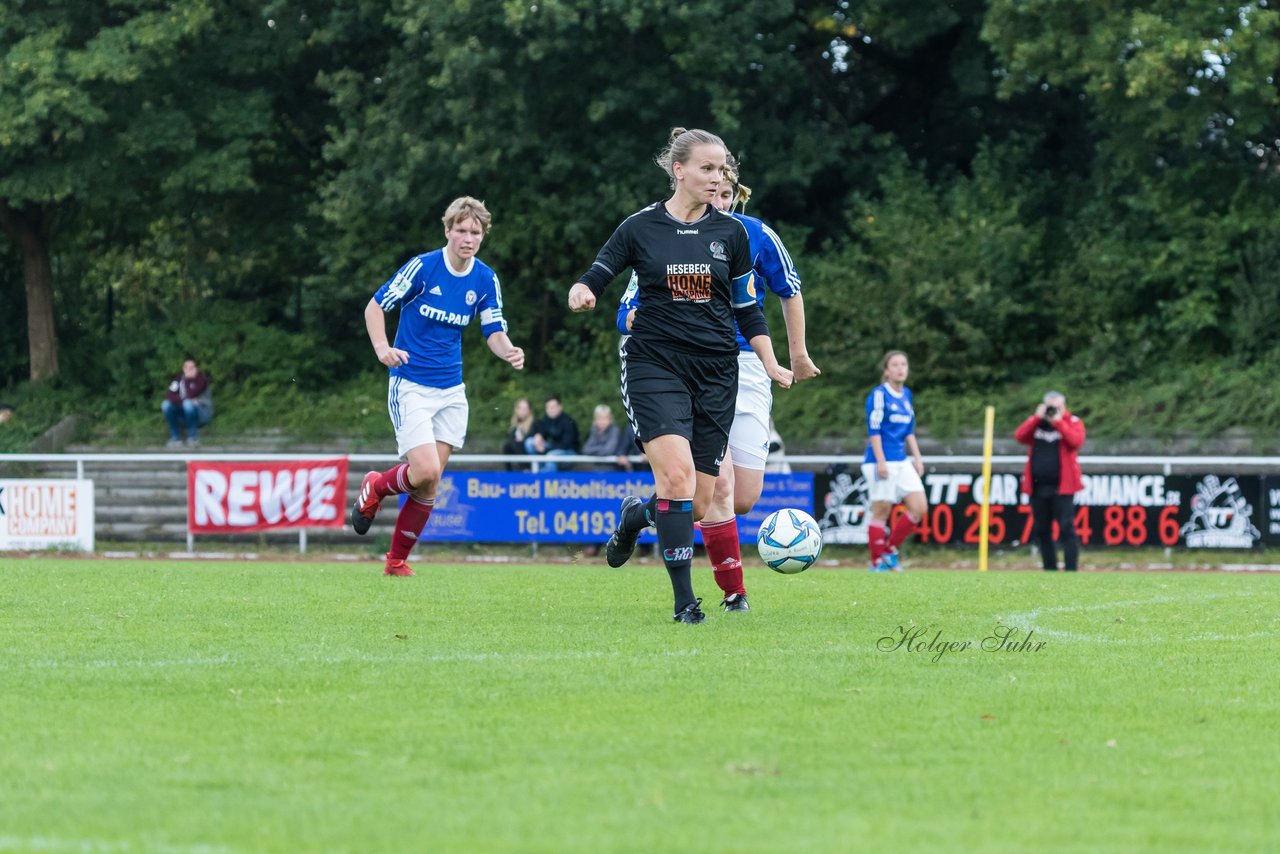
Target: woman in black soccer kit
{"x": 680, "y": 365}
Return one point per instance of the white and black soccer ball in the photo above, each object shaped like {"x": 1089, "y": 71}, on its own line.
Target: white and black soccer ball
{"x": 789, "y": 541}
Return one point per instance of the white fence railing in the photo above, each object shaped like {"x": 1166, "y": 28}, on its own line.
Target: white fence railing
{"x": 1166, "y": 465}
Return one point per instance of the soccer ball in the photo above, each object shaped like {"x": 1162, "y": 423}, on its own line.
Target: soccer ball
{"x": 789, "y": 541}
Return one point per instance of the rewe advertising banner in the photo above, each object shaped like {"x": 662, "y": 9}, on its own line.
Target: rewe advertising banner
{"x": 241, "y": 497}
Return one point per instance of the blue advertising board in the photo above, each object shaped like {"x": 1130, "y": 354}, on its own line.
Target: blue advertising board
{"x": 569, "y": 507}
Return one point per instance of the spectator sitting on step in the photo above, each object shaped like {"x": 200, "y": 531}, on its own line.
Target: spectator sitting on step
{"x": 521, "y": 427}
{"x": 188, "y": 403}
{"x": 556, "y": 434}
{"x": 604, "y": 436}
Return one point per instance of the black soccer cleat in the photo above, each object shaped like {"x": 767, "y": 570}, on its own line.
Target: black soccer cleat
{"x": 366, "y": 505}
{"x": 690, "y": 613}
{"x": 623, "y": 543}
{"x": 735, "y": 602}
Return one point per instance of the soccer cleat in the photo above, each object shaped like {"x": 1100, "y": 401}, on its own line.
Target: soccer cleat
{"x": 366, "y": 505}
{"x": 735, "y": 602}
{"x": 890, "y": 561}
{"x": 878, "y": 566}
{"x": 396, "y": 566}
{"x": 690, "y": 613}
{"x": 622, "y": 544}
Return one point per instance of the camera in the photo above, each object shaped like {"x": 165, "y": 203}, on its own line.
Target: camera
{"x": 1050, "y": 411}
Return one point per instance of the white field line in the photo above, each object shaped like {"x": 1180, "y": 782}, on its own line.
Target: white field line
{"x": 1028, "y": 620}
{"x": 408, "y": 658}
{"x": 102, "y": 846}
{"x": 440, "y": 658}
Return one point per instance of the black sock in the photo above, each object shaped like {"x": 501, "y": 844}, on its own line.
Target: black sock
{"x": 674, "y": 520}
{"x": 641, "y": 516}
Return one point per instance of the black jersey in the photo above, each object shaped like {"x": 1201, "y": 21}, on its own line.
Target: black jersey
{"x": 695, "y": 279}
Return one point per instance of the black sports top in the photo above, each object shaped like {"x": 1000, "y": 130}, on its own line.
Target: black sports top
{"x": 695, "y": 279}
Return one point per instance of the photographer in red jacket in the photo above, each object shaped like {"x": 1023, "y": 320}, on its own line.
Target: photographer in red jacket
{"x": 1052, "y": 477}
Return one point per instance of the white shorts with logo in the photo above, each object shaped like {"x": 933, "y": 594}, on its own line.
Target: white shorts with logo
{"x": 749, "y": 436}
{"x": 423, "y": 415}
{"x": 902, "y": 481}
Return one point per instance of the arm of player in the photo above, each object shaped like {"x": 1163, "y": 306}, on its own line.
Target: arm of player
{"x": 877, "y": 451}
{"x": 752, "y": 325}
{"x": 375, "y": 323}
{"x": 763, "y": 347}
{"x": 502, "y": 347}
{"x": 875, "y": 417}
{"x": 614, "y": 257}
{"x": 779, "y": 273}
{"x": 629, "y": 303}
{"x": 793, "y": 317}
{"x": 914, "y": 449}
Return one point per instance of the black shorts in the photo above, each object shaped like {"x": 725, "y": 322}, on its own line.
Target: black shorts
{"x": 669, "y": 393}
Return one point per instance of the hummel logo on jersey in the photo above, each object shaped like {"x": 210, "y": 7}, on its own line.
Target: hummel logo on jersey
{"x": 686, "y": 231}
{"x": 435, "y": 291}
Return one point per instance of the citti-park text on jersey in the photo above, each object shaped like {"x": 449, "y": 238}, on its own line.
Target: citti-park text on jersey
{"x": 449, "y": 317}
{"x": 689, "y": 282}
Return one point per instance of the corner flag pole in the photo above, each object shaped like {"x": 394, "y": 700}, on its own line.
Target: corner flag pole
{"x": 988, "y": 432}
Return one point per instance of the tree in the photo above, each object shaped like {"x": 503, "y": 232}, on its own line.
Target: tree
{"x": 552, "y": 113}
{"x": 109, "y": 111}
{"x": 1181, "y": 187}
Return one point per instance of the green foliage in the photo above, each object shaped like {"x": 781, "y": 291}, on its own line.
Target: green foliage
{"x": 1009, "y": 190}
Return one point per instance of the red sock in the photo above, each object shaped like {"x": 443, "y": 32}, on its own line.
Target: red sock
{"x": 901, "y": 530}
{"x": 725, "y": 553}
{"x": 875, "y": 540}
{"x": 409, "y": 524}
{"x": 393, "y": 481}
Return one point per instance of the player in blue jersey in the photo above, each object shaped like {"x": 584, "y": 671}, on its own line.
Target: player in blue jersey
{"x": 741, "y": 477}
{"x": 680, "y": 363}
{"x": 438, "y": 294}
{"x": 891, "y": 477}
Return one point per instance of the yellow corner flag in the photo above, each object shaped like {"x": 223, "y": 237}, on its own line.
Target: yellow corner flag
{"x": 988, "y": 432}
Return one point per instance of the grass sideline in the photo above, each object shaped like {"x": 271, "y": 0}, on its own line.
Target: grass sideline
{"x": 284, "y": 547}
{"x": 303, "y": 706}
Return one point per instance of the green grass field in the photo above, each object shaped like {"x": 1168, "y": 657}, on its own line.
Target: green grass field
{"x": 215, "y": 707}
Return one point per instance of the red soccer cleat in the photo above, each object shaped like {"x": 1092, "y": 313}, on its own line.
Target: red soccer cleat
{"x": 396, "y": 566}
{"x": 366, "y": 504}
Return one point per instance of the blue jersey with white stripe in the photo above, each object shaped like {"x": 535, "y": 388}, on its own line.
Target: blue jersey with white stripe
{"x": 891, "y": 417}
{"x": 436, "y": 304}
{"x": 769, "y": 259}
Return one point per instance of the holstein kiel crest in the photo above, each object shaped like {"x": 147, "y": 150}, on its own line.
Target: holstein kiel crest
{"x": 1220, "y": 517}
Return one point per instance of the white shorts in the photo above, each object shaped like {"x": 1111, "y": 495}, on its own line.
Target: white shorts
{"x": 902, "y": 481}
{"x": 749, "y": 436}
{"x": 423, "y": 415}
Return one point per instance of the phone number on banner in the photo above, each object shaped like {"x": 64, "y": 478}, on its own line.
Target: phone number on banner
{"x": 513, "y": 507}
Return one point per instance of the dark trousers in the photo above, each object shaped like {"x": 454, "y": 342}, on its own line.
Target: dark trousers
{"x": 1047, "y": 507}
